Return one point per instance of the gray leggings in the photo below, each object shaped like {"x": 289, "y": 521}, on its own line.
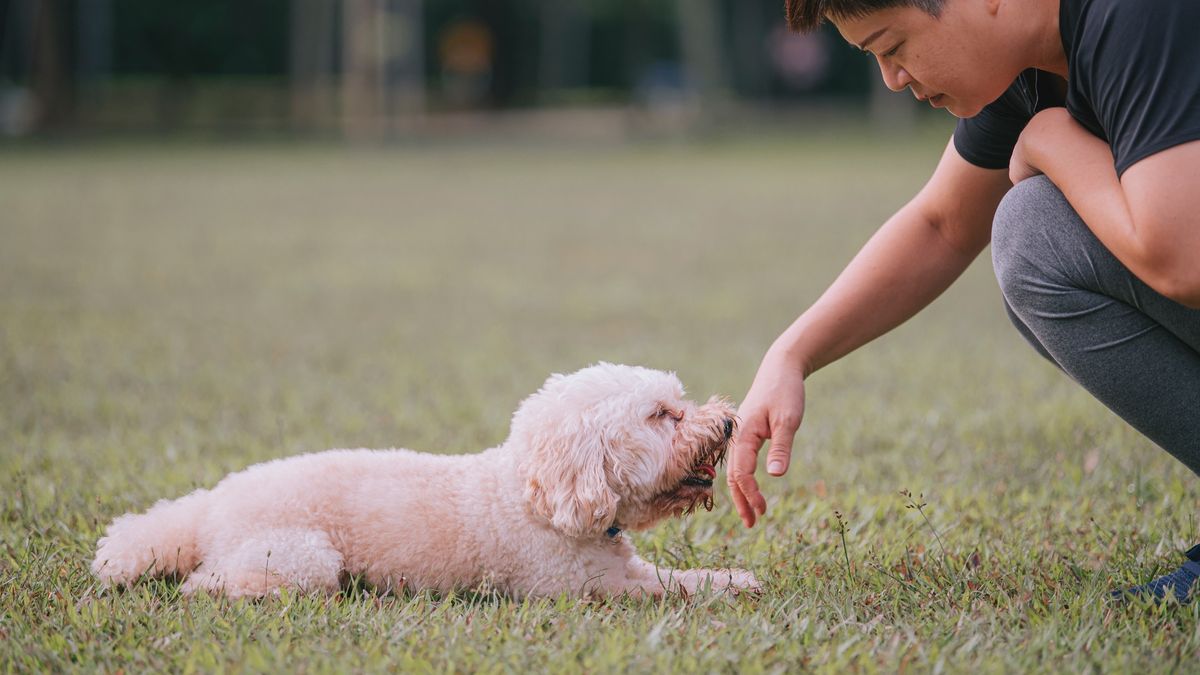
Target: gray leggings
{"x": 1133, "y": 349}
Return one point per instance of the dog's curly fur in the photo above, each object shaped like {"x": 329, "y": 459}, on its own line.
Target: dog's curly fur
{"x": 604, "y": 448}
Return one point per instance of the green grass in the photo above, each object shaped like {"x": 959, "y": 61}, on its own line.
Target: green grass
{"x": 170, "y": 314}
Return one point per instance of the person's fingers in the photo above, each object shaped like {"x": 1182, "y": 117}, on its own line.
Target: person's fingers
{"x": 741, "y": 504}
{"x": 749, "y": 487}
{"x": 743, "y": 489}
{"x": 747, "y": 499}
{"x": 782, "y": 436}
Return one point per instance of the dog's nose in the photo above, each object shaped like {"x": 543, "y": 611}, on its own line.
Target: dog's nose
{"x": 728, "y": 428}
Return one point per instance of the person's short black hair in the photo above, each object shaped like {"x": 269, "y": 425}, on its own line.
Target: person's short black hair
{"x": 804, "y": 16}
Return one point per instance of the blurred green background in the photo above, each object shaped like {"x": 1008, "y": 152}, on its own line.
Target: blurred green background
{"x": 377, "y": 69}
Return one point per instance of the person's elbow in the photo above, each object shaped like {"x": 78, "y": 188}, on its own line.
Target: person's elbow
{"x": 1176, "y": 276}
{"x": 1164, "y": 252}
{"x": 1182, "y": 287}
{"x": 1164, "y": 246}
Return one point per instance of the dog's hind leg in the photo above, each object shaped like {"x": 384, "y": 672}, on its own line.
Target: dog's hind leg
{"x": 304, "y": 560}
{"x": 159, "y": 542}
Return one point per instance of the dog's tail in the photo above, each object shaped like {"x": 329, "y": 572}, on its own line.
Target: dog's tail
{"x": 159, "y": 542}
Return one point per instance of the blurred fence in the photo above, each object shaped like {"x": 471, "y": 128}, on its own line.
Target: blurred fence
{"x": 370, "y": 68}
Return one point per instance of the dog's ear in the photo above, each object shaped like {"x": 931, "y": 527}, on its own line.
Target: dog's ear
{"x": 566, "y": 480}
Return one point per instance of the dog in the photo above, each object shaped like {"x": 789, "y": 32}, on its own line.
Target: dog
{"x": 590, "y": 455}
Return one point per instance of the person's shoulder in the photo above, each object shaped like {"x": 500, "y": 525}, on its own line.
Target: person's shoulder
{"x": 1083, "y": 21}
{"x": 1103, "y": 9}
{"x": 1102, "y": 36}
{"x": 1120, "y": 18}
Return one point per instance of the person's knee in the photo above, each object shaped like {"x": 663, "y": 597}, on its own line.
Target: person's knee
{"x": 1021, "y": 243}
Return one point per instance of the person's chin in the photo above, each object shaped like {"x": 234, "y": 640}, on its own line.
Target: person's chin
{"x": 962, "y": 111}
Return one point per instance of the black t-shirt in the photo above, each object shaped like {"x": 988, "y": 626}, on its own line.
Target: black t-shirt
{"x": 1134, "y": 81}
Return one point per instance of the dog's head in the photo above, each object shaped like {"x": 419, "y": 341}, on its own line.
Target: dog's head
{"x": 618, "y": 446}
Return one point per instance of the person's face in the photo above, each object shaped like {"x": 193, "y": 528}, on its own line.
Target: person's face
{"x": 955, "y": 61}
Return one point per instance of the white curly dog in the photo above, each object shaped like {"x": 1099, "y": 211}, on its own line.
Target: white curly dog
{"x": 606, "y": 449}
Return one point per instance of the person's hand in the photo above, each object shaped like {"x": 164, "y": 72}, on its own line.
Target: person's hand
{"x": 772, "y": 409}
{"x": 1019, "y": 167}
{"x": 1041, "y": 131}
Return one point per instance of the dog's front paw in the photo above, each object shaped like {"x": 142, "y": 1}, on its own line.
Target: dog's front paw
{"x": 742, "y": 581}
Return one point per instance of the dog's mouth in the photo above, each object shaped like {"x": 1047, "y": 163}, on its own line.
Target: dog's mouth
{"x": 703, "y": 472}
{"x": 694, "y": 489}
{"x": 701, "y": 476}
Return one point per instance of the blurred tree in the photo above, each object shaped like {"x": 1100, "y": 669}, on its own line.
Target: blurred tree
{"x": 382, "y": 69}
{"x": 51, "y": 75}
{"x": 514, "y": 28}
{"x": 704, "y": 55}
{"x": 312, "y": 62}
{"x": 750, "y": 27}
{"x": 94, "y": 29}
{"x": 172, "y": 45}
{"x": 405, "y": 57}
{"x": 16, "y": 53}
{"x": 362, "y": 69}
{"x": 565, "y": 46}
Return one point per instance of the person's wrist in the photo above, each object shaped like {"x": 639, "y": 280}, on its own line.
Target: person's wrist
{"x": 1051, "y": 127}
{"x": 789, "y": 354}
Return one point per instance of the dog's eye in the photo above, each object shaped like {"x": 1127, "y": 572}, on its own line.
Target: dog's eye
{"x": 664, "y": 411}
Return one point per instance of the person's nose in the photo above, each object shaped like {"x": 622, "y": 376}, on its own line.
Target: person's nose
{"x": 895, "y": 77}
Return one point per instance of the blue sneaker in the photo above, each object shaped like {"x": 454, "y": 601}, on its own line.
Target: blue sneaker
{"x": 1179, "y": 583}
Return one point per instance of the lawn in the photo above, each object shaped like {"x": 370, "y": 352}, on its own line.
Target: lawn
{"x": 172, "y": 313}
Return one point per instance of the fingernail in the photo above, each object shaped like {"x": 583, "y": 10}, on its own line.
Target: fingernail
{"x": 775, "y": 467}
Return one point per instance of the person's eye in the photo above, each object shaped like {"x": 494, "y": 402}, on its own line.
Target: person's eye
{"x": 892, "y": 52}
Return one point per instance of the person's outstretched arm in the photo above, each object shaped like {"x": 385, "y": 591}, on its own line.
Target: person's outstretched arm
{"x": 915, "y": 256}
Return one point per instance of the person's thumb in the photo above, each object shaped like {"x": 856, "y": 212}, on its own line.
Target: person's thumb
{"x": 780, "y": 454}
